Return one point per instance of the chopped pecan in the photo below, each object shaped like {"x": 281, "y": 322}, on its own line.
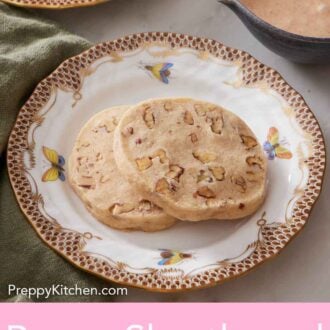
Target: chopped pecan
{"x": 206, "y": 192}
{"x": 202, "y": 176}
{"x": 248, "y": 141}
{"x": 188, "y": 118}
{"x": 163, "y": 187}
{"x": 99, "y": 156}
{"x": 200, "y": 109}
{"x": 175, "y": 172}
{"x": 161, "y": 153}
{"x": 86, "y": 182}
{"x": 251, "y": 176}
{"x": 218, "y": 172}
{"x": 130, "y": 130}
{"x": 193, "y": 137}
{"x": 143, "y": 163}
{"x": 117, "y": 209}
{"x": 240, "y": 182}
{"x": 204, "y": 157}
{"x": 148, "y": 117}
{"x": 217, "y": 124}
{"x": 145, "y": 205}
{"x": 254, "y": 160}
{"x": 168, "y": 106}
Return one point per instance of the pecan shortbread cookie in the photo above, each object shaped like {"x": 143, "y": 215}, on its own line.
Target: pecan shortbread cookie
{"x": 194, "y": 159}
{"x": 94, "y": 176}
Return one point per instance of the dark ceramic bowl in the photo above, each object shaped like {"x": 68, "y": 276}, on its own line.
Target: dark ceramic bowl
{"x": 291, "y": 46}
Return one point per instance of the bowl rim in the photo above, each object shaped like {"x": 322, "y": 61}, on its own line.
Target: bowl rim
{"x": 273, "y": 28}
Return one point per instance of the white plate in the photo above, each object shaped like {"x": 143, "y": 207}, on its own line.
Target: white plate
{"x": 115, "y": 73}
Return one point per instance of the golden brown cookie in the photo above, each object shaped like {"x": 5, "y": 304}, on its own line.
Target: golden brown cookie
{"x": 194, "y": 159}
{"x": 94, "y": 176}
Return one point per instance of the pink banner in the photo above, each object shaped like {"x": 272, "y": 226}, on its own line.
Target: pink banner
{"x": 140, "y": 316}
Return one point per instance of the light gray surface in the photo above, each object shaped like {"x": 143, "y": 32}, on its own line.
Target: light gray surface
{"x": 302, "y": 271}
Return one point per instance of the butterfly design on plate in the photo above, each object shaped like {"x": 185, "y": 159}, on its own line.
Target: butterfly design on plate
{"x": 273, "y": 147}
{"x": 161, "y": 71}
{"x": 56, "y": 170}
{"x": 171, "y": 257}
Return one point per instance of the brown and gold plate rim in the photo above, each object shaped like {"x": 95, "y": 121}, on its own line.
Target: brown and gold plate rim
{"x": 54, "y": 4}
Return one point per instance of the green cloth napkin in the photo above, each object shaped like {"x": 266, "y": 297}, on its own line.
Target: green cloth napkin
{"x": 30, "y": 49}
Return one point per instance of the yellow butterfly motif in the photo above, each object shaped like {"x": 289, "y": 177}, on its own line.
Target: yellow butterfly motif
{"x": 161, "y": 71}
{"x": 56, "y": 171}
{"x": 273, "y": 147}
{"x": 171, "y": 257}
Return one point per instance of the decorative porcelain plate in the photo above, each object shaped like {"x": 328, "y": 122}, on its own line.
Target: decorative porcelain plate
{"x": 147, "y": 65}
{"x": 53, "y": 4}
